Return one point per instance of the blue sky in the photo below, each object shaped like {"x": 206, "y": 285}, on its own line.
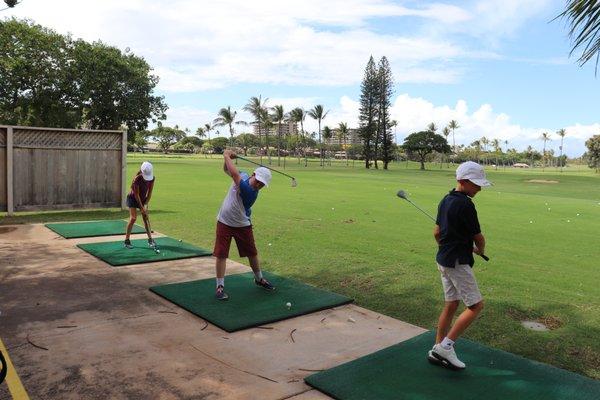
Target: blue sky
{"x": 501, "y": 68}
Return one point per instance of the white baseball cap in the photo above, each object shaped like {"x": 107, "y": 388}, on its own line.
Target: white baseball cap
{"x": 147, "y": 169}
{"x": 263, "y": 175}
{"x": 473, "y": 172}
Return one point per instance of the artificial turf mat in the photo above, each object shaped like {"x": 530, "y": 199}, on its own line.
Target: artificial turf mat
{"x": 73, "y": 230}
{"x": 249, "y": 305}
{"x": 403, "y": 372}
{"x": 170, "y": 249}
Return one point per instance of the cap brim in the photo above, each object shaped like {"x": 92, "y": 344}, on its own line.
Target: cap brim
{"x": 261, "y": 181}
{"x": 147, "y": 177}
{"x": 481, "y": 182}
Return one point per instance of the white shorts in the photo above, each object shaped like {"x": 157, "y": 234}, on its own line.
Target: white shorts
{"x": 460, "y": 284}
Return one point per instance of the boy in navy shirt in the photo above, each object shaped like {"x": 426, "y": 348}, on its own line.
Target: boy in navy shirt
{"x": 458, "y": 235}
{"x": 233, "y": 221}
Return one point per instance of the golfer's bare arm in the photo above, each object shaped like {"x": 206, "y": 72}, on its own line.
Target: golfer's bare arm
{"x": 230, "y": 168}
{"x": 149, "y": 193}
{"x": 437, "y": 234}
{"x": 479, "y": 243}
{"x": 136, "y": 193}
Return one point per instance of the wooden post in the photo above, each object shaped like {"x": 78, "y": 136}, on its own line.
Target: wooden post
{"x": 10, "y": 207}
{"x": 124, "y": 171}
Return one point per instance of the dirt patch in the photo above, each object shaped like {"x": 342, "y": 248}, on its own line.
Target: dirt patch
{"x": 541, "y": 181}
{"x": 549, "y": 321}
{"x": 7, "y": 229}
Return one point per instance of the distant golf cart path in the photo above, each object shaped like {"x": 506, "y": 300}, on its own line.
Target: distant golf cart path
{"x": 108, "y": 336}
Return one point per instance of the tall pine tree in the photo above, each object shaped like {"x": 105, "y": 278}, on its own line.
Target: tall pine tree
{"x": 368, "y": 111}
{"x": 386, "y": 90}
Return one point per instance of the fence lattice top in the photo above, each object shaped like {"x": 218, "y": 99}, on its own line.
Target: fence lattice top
{"x": 48, "y": 138}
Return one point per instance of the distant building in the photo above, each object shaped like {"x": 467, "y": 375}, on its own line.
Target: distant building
{"x": 287, "y": 128}
{"x": 352, "y": 137}
{"x": 520, "y": 165}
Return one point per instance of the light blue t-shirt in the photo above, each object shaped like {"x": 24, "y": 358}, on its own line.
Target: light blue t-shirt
{"x": 236, "y": 208}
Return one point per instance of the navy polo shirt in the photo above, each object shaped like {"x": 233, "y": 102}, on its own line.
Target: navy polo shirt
{"x": 458, "y": 222}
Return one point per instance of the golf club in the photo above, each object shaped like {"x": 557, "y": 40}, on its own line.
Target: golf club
{"x": 402, "y": 195}
{"x": 294, "y": 183}
{"x": 149, "y": 230}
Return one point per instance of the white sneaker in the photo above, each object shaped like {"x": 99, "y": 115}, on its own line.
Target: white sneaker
{"x": 447, "y": 357}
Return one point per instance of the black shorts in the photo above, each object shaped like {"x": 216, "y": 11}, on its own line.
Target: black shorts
{"x": 132, "y": 202}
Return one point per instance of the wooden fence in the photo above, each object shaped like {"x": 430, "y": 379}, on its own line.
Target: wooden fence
{"x": 53, "y": 169}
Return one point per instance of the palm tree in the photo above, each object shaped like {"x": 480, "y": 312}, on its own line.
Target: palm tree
{"x": 484, "y": 143}
{"x": 201, "y": 133}
{"x": 453, "y": 125}
{"x": 327, "y": 135}
{"x": 545, "y": 137}
{"x": 343, "y": 133}
{"x": 445, "y": 132}
{"x": 432, "y": 127}
{"x": 267, "y": 124}
{"x": 227, "y": 118}
{"x": 504, "y": 162}
{"x": 584, "y": 18}
{"x": 496, "y": 145}
{"x": 561, "y": 133}
{"x": 298, "y": 115}
{"x": 278, "y": 116}
{"x": 256, "y": 107}
{"x": 318, "y": 114}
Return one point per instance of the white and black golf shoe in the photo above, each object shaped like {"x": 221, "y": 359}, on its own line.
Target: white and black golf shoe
{"x": 446, "y": 358}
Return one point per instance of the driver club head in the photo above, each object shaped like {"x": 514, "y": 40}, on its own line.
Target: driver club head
{"x": 294, "y": 183}
{"x": 402, "y": 194}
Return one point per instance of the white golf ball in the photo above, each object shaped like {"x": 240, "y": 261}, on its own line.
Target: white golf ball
{"x": 332, "y": 208}
{"x": 180, "y": 240}
{"x": 578, "y": 214}
{"x": 568, "y": 220}
{"x": 269, "y": 244}
{"x": 288, "y": 304}
{"x": 548, "y": 208}
{"x": 531, "y": 222}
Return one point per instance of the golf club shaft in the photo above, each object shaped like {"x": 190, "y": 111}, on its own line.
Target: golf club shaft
{"x": 486, "y": 258}
{"x": 260, "y": 165}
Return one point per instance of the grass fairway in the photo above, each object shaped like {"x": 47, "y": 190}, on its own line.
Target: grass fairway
{"x": 344, "y": 229}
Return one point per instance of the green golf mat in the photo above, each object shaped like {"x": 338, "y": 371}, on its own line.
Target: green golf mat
{"x": 249, "y": 305}
{"x": 73, "y": 230}
{"x": 402, "y": 371}
{"x": 170, "y": 249}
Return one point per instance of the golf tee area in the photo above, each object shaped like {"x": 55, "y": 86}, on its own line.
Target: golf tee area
{"x": 75, "y": 325}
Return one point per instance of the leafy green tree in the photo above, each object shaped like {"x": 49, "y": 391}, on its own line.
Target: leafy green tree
{"x": 192, "y": 144}
{"x": 52, "y": 80}
{"x": 245, "y": 141}
{"x": 318, "y": 113}
{"x": 219, "y": 144}
{"x": 369, "y": 95}
{"x": 424, "y": 143}
{"x": 166, "y": 136}
{"x": 342, "y": 135}
{"x": 141, "y": 140}
{"x": 593, "y": 153}
{"x": 327, "y": 135}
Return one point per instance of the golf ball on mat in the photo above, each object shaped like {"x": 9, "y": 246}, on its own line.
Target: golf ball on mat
{"x": 288, "y": 304}
{"x": 180, "y": 240}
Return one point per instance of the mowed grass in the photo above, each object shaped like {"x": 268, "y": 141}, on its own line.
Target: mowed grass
{"x": 344, "y": 229}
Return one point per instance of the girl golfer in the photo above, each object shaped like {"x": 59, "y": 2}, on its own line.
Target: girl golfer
{"x": 138, "y": 198}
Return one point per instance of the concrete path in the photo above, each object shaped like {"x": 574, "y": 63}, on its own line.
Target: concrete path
{"x": 76, "y": 328}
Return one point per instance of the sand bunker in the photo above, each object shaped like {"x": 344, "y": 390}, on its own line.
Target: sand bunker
{"x": 540, "y": 181}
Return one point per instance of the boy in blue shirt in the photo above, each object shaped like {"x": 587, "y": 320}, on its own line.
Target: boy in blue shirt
{"x": 234, "y": 222}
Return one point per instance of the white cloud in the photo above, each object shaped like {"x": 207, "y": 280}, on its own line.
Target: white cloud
{"x": 196, "y": 46}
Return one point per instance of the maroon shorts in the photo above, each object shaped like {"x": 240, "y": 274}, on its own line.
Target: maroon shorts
{"x": 244, "y": 239}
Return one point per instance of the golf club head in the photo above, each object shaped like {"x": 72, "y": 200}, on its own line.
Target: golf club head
{"x": 294, "y": 183}
{"x": 402, "y": 194}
